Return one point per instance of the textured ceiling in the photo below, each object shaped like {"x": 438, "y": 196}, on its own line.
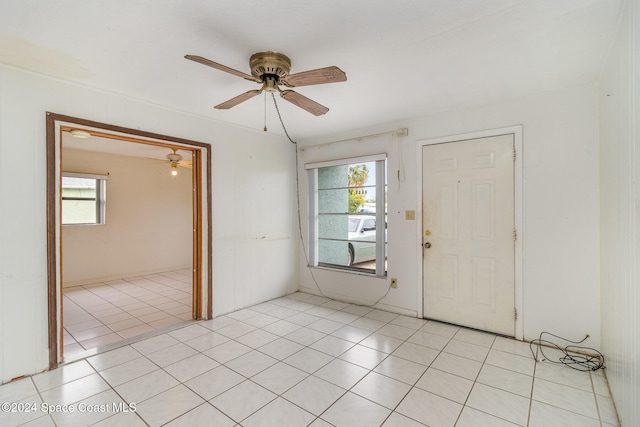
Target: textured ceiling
{"x": 403, "y": 58}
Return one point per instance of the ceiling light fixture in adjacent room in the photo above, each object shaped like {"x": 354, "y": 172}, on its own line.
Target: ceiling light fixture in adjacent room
{"x": 174, "y": 168}
{"x": 79, "y": 133}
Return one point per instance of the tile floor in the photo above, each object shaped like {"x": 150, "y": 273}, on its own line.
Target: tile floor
{"x": 305, "y": 360}
{"x": 103, "y": 313}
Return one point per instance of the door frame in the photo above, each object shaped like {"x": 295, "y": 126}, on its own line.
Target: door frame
{"x": 202, "y": 220}
{"x": 517, "y": 132}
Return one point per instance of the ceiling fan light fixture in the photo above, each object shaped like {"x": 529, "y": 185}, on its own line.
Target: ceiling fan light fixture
{"x": 174, "y": 168}
{"x": 271, "y": 69}
{"x": 79, "y": 133}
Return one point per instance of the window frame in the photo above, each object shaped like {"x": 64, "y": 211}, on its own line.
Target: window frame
{"x": 380, "y": 214}
{"x": 100, "y": 197}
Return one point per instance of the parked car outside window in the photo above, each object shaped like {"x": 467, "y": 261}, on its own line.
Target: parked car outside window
{"x": 362, "y": 239}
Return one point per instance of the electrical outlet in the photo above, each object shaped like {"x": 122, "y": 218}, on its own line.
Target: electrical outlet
{"x": 394, "y": 283}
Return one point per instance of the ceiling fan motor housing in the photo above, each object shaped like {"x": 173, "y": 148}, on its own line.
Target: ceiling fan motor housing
{"x": 269, "y": 66}
{"x": 174, "y": 157}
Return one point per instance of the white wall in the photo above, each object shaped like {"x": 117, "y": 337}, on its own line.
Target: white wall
{"x": 620, "y": 216}
{"x": 149, "y": 220}
{"x": 560, "y": 208}
{"x": 254, "y": 232}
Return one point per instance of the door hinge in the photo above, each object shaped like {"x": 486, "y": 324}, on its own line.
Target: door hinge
{"x": 515, "y": 314}
{"x": 515, "y": 234}
{"x": 514, "y": 154}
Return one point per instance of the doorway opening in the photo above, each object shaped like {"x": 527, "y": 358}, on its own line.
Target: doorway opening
{"x": 157, "y": 202}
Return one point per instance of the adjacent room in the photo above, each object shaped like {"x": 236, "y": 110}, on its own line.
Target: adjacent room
{"x": 126, "y": 240}
{"x": 358, "y": 213}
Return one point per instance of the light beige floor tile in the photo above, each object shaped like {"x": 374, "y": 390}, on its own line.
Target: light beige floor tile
{"x": 127, "y": 371}
{"x": 191, "y": 367}
{"x": 473, "y": 418}
{"x": 168, "y": 405}
{"x": 18, "y": 389}
{"x": 544, "y": 415}
{"x": 401, "y": 369}
{"x": 172, "y": 354}
{"x": 332, "y": 346}
{"x": 416, "y": 353}
{"x": 457, "y": 365}
{"x": 314, "y": 394}
{"x": 352, "y": 410}
{"x": 214, "y": 382}
{"x": 382, "y": 390}
{"x": 363, "y": 356}
{"x": 351, "y": 333}
{"x": 565, "y": 397}
{"x": 513, "y": 362}
{"x": 279, "y": 378}
{"x": 279, "y": 413}
{"x": 446, "y": 385}
{"x": 499, "y": 403}
{"x": 281, "y": 348}
{"x": 112, "y": 358}
{"x": 504, "y": 379}
{"x": 62, "y": 375}
{"x": 206, "y": 341}
{"x": 242, "y": 400}
{"x": 468, "y": 350}
{"x": 75, "y": 391}
{"x": 203, "y": 415}
{"x": 397, "y": 420}
{"x": 381, "y": 343}
{"x": 429, "y": 408}
{"x": 227, "y": 351}
{"x": 251, "y": 363}
{"x": 341, "y": 373}
{"x": 146, "y": 386}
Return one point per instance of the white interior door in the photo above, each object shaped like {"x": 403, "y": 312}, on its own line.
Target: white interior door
{"x": 468, "y": 233}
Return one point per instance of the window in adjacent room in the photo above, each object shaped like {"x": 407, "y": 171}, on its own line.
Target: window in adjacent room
{"x": 83, "y": 199}
{"x": 348, "y": 215}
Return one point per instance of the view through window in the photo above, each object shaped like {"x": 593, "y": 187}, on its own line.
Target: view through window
{"x": 83, "y": 199}
{"x": 349, "y": 207}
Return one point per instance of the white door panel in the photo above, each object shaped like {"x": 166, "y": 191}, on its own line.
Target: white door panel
{"x": 468, "y": 220}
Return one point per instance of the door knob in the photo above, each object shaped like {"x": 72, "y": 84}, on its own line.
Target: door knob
{"x": 427, "y": 245}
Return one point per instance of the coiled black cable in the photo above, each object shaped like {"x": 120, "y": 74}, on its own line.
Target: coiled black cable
{"x": 579, "y": 361}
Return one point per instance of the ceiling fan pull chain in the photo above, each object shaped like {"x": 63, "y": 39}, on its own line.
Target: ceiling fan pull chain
{"x": 265, "y": 111}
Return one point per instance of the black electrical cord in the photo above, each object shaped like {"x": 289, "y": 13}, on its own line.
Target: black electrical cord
{"x": 579, "y": 362}
{"x": 304, "y": 249}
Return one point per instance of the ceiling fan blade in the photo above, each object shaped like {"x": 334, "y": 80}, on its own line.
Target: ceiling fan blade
{"x": 186, "y": 164}
{"x": 238, "y": 99}
{"x": 303, "y": 102}
{"x": 331, "y": 74}
{"x": 209, "y": 63}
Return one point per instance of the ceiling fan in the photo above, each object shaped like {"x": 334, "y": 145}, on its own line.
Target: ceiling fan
{"x": 271, "y": 70}
{"x": 176, "y": 160}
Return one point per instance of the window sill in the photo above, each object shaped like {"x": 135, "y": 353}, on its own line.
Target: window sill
{"x": 347, "y": 270}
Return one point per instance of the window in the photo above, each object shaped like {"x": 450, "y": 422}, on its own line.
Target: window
{"x": 347, "y": 202}
{"x": 83, "y": 198}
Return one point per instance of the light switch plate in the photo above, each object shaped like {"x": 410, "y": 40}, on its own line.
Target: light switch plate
{"x": 410, "y": 215}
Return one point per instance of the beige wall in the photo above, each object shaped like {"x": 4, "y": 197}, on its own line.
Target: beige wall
{"x": 148, "y": 224}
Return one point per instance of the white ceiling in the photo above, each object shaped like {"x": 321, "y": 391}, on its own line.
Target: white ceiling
{"x": 403, "y": 58}
{"x": 124, "y": 148}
